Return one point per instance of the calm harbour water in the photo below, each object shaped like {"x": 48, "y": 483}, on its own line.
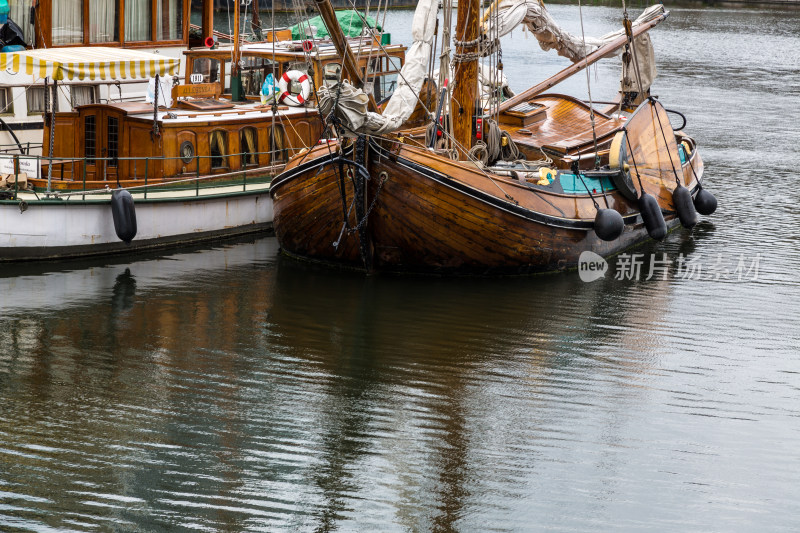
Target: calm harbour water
{"x": 232, "y": 389}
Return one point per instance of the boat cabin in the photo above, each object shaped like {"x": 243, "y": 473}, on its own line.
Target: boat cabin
{"x": 381, "y": 68}
{"x": 126, "y": 142}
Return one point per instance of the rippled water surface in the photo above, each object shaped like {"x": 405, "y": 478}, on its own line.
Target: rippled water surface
{"x": 231, "y": 389}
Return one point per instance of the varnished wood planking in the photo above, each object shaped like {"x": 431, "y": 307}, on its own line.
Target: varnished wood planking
{"x": 418, "y": 224}
{"x": 567, "y": 126}
{"x": 137, "y": 140}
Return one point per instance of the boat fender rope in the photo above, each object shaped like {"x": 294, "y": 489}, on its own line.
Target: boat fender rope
{"x": 577, "y": 172}
{"x": 608, "y": 223}
{"x": 633, "y": 159}
{"x": 705, "y": 203}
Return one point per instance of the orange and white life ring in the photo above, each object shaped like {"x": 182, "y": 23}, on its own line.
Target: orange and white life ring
{"x": 305, "y": 88}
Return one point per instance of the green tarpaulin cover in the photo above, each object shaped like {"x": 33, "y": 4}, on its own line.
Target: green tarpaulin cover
{"x": 351, "y": 22}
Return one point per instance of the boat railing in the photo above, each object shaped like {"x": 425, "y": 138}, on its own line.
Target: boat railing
{"x": 60, "y": 171}
{"x": 14, "y": 148}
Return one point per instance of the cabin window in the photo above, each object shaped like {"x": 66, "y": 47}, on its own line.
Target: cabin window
{"x": 67, "y": 22}
{"x": 112, "y": 135}
{"x": 187, "y": 152}
{"x": 35, "y": 97}
{"x": 384, "y": 72}
{"x": 104, "y": 21}
{"x": 208, "y": 67}
{"x": 331, "y": 73}
{"x": 144, "y": 21}
{"x": 89, "y": 138}
{"x": 169, "y": 20}
{"x": 249, "y": 146}
{"x": 277, "y": 144}
{"x": 20, "y": 12}
{"x": 254, "y": 71}
{"x": 6, "y": 102}
{"x": 384, "y": 86}
{"x": 375, "y": 65}
{"x": 137, "y": 20}
{"x": 83, "y": 95}
{"x": 217, "y": 143}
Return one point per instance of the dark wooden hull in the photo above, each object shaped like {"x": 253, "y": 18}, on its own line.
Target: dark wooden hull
{"x": 426, "y": 221}
{"x": 423, "y": 212}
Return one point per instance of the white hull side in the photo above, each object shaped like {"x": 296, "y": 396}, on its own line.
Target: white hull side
{"x": 74, "y": 228}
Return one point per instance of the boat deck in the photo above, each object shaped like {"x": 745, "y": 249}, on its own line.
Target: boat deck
{"x": 566, "y": 128}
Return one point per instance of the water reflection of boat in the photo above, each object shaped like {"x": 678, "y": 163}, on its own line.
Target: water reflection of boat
{"x": 516, "y": 187}
{"x": 31, "y": 288}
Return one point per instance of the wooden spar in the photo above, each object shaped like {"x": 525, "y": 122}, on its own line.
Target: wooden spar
{"x": 207, "y": 23}
{"x": 235, "y": 65}
{"x": 237, "y": 91}
{"x": 592, "y": 58}
{"x": 256, "y": 22}
{"x": 465, "y": 72}
{"x": 340, "y": 42}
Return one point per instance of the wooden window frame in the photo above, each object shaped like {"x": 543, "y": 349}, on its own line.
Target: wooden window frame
{"x": 9, "y": 111}
{"x": 226, "y": 163}
{"x": 254, "y": 154}
{"x": 215, "y": 57}
{"x": 44, "y": 27}
{"x": 31, "y": 89}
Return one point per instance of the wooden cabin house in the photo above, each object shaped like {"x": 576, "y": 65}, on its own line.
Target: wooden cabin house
{"x": 206, "y": 134}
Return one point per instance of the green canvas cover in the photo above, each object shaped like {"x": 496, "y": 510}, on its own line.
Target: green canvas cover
{"x": 351, "y": 22}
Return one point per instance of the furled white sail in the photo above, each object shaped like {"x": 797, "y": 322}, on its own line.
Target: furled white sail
{"x": 352, "y": 103}
{"x": 512, "y": 13}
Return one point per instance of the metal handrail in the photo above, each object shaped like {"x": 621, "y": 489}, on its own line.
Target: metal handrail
{"x": 62, "y": 162}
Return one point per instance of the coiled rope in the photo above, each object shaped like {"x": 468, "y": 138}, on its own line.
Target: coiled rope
{"x": 496, "y": 145}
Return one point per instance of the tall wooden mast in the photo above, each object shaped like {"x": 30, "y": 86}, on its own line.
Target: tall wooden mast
{"x": 465, "y": 73}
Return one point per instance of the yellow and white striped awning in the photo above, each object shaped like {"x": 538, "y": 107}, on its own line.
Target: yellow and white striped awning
{"x": 88, "y": 63}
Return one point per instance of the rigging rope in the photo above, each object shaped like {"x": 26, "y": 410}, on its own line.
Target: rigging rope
{"x": 589, "y": 88}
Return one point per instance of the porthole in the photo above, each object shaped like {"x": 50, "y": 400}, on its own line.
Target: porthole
{"x": 187, "y": 151}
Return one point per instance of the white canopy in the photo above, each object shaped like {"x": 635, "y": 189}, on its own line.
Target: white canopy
{"x": 86, "y": 63}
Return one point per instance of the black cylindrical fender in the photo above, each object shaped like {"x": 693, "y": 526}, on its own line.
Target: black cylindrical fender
{"x": 608, "y": 224}
{"x": 124, "y": 215}
{"x": 652, "y": 217}
{"x": 705, "y": 202}
{"x": 682, "y": 200}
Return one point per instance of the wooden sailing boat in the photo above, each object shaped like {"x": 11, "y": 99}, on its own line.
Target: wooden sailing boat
{"x": 393, "y": 203}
